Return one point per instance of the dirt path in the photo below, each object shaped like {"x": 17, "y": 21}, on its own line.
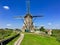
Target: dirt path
{"x": 18, "y": 42}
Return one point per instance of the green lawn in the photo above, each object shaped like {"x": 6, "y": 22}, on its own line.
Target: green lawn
{"x": 34, "y": 39}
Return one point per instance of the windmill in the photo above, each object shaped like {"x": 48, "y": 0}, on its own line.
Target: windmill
{"x": 28, "y": 23}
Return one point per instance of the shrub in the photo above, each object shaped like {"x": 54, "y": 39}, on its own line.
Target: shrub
{"x": 42, "y": 29}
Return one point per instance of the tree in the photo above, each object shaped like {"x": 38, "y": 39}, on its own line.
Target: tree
{"x": 42, "y": 29}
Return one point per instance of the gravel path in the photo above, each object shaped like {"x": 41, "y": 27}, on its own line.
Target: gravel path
{"x": 18, "y": 42}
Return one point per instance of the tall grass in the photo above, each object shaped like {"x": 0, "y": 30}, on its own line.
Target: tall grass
{"x": 56, "y": 34}
{"x": 5, "y": 33}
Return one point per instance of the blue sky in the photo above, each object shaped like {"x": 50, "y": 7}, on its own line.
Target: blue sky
{"x": 50, "y": 9}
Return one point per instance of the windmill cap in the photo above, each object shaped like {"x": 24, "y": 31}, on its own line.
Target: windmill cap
{"x": 28, "y": 15}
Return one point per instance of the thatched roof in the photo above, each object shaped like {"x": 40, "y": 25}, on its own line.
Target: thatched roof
{"x": 28, "y": 15}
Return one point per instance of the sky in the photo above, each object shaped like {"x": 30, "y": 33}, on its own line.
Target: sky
{"x": 50, "y": 9}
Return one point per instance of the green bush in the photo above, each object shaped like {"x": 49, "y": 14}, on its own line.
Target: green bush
{"x": 56, "y": 34}
{"x": 42, "y": 29}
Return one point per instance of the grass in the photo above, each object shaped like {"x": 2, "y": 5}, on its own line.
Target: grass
{"x": 5, "y": 34}
{"x": 13, "y": 41}
{"x": 56, "y": 34}
{"x": 11, "y": 35}
{"x": 33, "y": 39}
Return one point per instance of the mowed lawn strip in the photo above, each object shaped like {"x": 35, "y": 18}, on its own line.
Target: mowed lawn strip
{"x": 33, "y": 39}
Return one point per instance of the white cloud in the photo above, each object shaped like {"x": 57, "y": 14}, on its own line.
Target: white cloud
{"x": 34, "y": 24}
{"x": 6, "y": 7}
{"x": 8, "y": 25}
{"x": 49, "y": 23}
{"x": 41, "y": 25}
